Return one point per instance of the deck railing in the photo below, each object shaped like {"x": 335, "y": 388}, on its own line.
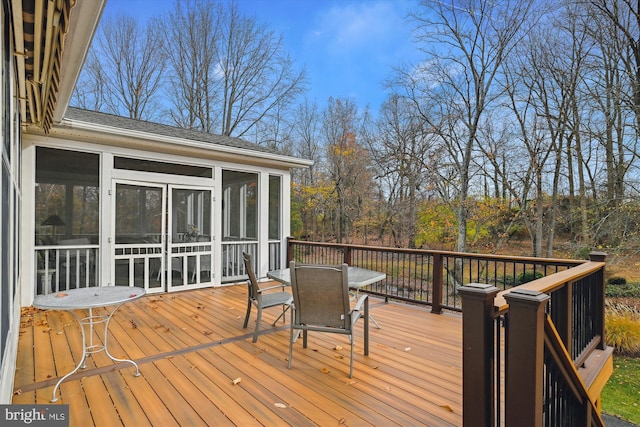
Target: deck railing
{"x": 524, "y": 350}
{"x": 60, "y": 268}
{"x": 428, "y": 277}
{"x": 531, "y": 326}
{"x": 232, "y": 263}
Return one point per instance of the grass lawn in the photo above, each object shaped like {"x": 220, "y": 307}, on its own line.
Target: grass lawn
{"x": 621, "y": 395}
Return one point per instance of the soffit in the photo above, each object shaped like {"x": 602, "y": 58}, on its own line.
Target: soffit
{"x": 51, "y": 39}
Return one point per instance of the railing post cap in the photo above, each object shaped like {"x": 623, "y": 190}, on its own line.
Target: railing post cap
{"x": 525, "y": 296}
{"x": 472, "y": 289}
{"x": 597, "y": 256}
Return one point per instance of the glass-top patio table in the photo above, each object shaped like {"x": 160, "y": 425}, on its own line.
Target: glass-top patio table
{"x": 358, "y": 279}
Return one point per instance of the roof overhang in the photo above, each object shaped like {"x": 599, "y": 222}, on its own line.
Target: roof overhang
{"x": 52, "y": 38}
{"x": 126, "y": 138}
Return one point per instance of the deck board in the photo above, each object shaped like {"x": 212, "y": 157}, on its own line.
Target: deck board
{"x": 191, "y": 346}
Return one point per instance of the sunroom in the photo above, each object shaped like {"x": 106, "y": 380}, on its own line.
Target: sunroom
{"x": 124, "y": 202}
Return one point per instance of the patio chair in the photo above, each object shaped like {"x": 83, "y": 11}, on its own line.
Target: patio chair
{"x": 263, "y": 297}
{"x": 321, "y": 303}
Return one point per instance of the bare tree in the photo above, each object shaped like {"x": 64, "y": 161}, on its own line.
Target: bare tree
{"x": 400, "y": 148}
{"x": 625, "y": 17}
{"x": 227, "y": 66}
{"x": 258, "y": 75}
{"x": 544, "y": 79}
{"x": 466, "y": 43}
{"x": 191, "y": 42}
{"x": 89, "y": 92}
{"x": 306, "y": 134}
{"x": 125, "y": 69}
{"x": 307, "y": 145}
{"x": 346, "y": 162}
{"x": 615, "y": 89}
{"x": 275, "y": 130}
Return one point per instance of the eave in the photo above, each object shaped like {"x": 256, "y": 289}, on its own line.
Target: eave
{"x": 127, "y": 138}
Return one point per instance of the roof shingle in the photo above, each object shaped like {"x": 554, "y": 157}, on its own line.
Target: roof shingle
{"x": 120, "y": 122}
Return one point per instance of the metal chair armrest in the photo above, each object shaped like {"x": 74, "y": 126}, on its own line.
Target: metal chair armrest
{"x": 269, "y": 288}
{"x": 358, "y": 306}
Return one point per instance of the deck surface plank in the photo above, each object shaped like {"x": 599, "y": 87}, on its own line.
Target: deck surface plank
{"x": 191, "y": 346}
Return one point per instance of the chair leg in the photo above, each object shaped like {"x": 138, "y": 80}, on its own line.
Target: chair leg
{"x": 246, "y": 317}
{"x": 291, "y": 340}
{"x": 351, "y": 362}
{"x": 284, "y": 311}
{"x": 257, "y": 331}
{"x": 366, "y": 327}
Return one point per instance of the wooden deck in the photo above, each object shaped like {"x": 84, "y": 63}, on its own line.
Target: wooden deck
{"x": 190, "y": 347}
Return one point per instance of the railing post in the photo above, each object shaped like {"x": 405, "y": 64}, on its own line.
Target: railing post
{"x": 436, "y": 277}
{"x": 346, "y": 254}
{"x": 525, "y": 358}
{"x": 289, "y": 251}
{"x": 600, "y": 257}
{"x": 478, "y": 374}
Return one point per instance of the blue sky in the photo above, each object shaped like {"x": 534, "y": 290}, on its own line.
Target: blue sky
{"x": 347, "y": 46}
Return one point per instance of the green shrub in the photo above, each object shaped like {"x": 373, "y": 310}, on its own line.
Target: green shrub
{"x": 631, "y": 290}
{"x": 582, "y": 252}
{"x": 528, "y": 276}
{"x": 616, "y": 280}
{"x": 622, "y": 329}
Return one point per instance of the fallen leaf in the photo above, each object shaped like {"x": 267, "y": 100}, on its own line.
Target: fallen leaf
{"x": 407, "y": 348}
{"x": 61, "y": 295}
{"x": 337, "y": 348}
{"x": 18, "y": 392}
{"x": 280, "y": 405}
{"x": 325, "y": 370}
{"x": 447, "y": 407}
{"x": 237, "y": 381}
{"x": 342, "y": 421}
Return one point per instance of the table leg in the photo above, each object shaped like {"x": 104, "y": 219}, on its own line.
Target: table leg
{"x": 54, "y": 398}
{"x": 106, "y": 348}
{"x": 90, "y": 348}
{"x": 356, "y": 293}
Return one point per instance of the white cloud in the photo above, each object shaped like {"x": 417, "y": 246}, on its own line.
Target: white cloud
{"x": 370, "y": 25}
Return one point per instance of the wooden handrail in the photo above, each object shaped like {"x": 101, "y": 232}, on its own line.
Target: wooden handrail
{"x": 549, "y": 283}
{"x": 535, "y": 260}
